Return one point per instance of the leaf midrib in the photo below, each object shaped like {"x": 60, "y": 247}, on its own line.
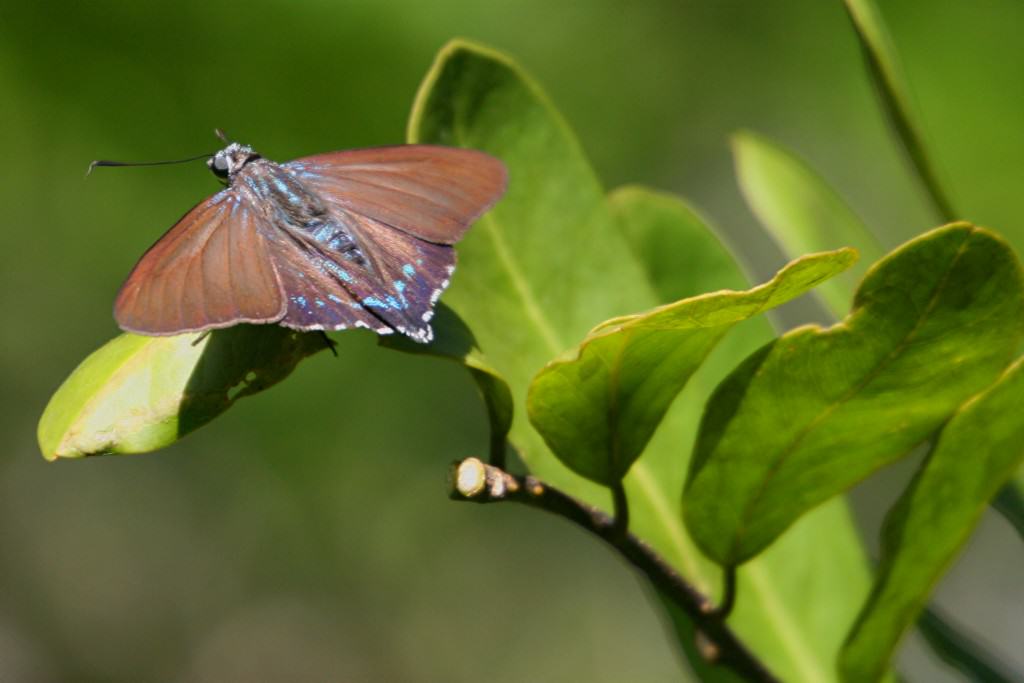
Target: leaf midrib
{"x": 531, "y": 307}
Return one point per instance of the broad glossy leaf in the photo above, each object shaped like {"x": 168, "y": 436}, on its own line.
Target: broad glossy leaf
{"x": 887, "y": 74}
{"x": 681, "y": 253}
{"x": 547, "y": 263}
{"x": 802, "y": 212}
{"x": 136, "y": 394}
{"x": 545, "y": 267}
{"x": 978, "y": 450}
{"x": 796, "y": 600}
{"x": 811, "y": 414}
{"x": 598, "y": 407}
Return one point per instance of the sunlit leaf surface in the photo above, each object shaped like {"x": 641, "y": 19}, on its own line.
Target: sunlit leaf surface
{"x": 136, "y": 394}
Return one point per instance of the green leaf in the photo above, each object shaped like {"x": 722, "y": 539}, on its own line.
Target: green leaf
{"x": 547, "y": 263}
{"x": 598, "y": 407}
{"x": 802, "y": 212}
{"x": 794, "y": 616}
{"x": 978, "y": 450}
{"x": 812, "y": 413}
{"x": 889, "y": 80}
{"x": 887, "y": 75}
{"x": 454, "y": 341}
{"x": 136, "y": 394}
{"x": 681, "y": 254}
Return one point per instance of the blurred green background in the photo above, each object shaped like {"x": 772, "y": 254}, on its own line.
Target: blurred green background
{"x": 305, "y": 535}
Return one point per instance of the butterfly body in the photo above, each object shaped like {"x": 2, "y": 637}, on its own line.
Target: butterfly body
{"x": 360, "y": 238}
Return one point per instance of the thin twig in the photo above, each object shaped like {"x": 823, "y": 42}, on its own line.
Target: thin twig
{"x": 472, "y": 480}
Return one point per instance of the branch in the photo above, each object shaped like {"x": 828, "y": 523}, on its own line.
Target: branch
{"x": 472, "y": 480}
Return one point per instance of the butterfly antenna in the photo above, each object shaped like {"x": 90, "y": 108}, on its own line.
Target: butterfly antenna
{"x": 224, "y": 138}
{"x": 105, "y": 162}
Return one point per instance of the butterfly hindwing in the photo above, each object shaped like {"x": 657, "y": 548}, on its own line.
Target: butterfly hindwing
{"x": 406, "y": 276}
{"x": 316, "y": 287}
{"x": 388, "y": 281}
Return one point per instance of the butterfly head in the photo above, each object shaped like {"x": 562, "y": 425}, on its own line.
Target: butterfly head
{"x": 230, "y": 160}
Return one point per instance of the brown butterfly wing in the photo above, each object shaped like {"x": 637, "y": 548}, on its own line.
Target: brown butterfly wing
{"x": 319, "y": 285}
{"x": 431, "y": 192}
{"x": 210, "y": 270}
{"x": 395, "y": 288}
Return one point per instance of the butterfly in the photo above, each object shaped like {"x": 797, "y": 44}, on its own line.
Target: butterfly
{"x": 356, "y": 238}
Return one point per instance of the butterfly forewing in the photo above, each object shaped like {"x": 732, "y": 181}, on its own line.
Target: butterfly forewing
{"x": 434, "y": 193}
{"x": 211, "y": 269}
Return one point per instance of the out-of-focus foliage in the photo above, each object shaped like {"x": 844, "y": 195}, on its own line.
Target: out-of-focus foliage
{"x": 802, "y": 212}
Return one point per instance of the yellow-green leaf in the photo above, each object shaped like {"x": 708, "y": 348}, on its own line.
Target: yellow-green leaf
{"x": 136, "y": 394}
{"x": 598, "y": 408}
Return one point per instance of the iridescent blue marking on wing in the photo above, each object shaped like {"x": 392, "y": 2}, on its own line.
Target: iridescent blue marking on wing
{"x": 363, "y": 238}
{"x": 384, "y": 281}
{"x": 318, "y": 298}
{"x": 402, "y": 297}
{"x": 359, "y": 269}
{"x": 383, "y": 295}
